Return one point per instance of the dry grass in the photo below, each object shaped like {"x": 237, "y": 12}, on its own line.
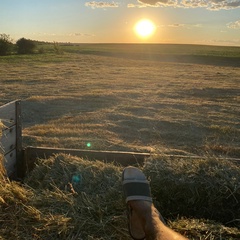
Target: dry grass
{"x": 2, "y": 169}
{"x": 118, "y": 103}
{"x": 124, "y": 104}
{"x": 66, "y": 197}
{"x": 201, "y": 188}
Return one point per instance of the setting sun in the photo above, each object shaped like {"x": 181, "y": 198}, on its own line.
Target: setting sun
{"x": 144, "y": 28}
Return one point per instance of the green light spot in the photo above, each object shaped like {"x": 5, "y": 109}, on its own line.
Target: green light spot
{"x": 89, "y": 144}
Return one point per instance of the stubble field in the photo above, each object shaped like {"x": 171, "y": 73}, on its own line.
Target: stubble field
{"x": 118, "y": 102}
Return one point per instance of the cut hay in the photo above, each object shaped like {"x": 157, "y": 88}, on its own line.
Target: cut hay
{"x": 204, "y": 229}
{"x": 3, "y": 173}
{"x": 66, "y": 197}
{"x": 202, "y": 188}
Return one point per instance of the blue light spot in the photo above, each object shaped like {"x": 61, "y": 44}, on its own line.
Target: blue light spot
{"x": 76, "y": 179}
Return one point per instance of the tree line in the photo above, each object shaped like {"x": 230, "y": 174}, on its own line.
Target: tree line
{"x": 22, "y": 45}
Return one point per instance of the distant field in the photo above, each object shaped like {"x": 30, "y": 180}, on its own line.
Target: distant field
{"x": 148, "y": 98}
{"x": 201, "y": 54}
{"x": 155, "y": 49}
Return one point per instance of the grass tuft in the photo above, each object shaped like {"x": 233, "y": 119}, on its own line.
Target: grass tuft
{"x": 200, "y": 188}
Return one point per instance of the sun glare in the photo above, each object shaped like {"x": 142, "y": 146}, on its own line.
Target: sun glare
{"x": 144, "y": 28}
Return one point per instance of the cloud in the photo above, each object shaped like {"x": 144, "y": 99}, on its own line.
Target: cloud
{"x": 182, "y": 25}
{"x": 158, "y": 3}
{"x": 81, "y": 35}
{"x": 94, "y": 4}
{"x": 177, "y": 25}
{"x": 213, "y": 5}
{"x": 131, "y": 5}
{"x": 234, "y": 25}
{"x": 43, "y": 34}
{"x": 223, "y": 4}
{"x": 194, "y": 3}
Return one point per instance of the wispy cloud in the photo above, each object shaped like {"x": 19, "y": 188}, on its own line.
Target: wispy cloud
{"x": 177, "y": 25}
{"x": 234, "y": 25}
{"x": 222, "y": 4}
{"x": 213, "y": 5}
{"x": 132, "y": 5}
{"x": 154, "y": 3}
{"x": 94, "y": 4}
{"x": 43, "y": 34}
{"x": 81, "y": 35}
{"x": 182, "y": 25}
{"x": 159, "y": 3}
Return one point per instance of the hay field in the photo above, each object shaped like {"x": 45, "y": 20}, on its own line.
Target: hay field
{"x": 118, "y": 103}
{"x": 163, "y": 103}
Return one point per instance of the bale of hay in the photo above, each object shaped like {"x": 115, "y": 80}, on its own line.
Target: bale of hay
{"x": 66, "y": 197}
{"x": 73, "y": 199}
{"x": 199, "y": 188}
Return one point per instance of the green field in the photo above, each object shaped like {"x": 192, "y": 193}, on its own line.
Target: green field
{"x": 163, "y": 99}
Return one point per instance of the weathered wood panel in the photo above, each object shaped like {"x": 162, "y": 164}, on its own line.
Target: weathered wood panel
{"x": 8, "y": 140}
{"x": 31, "y": 154}
{"x": 10, "y": 162}
{"x": 122, "y": 158}
{"x": 18, "y": 131}
{"x": 11, "y": 136}
{"x": 8, "y": 114}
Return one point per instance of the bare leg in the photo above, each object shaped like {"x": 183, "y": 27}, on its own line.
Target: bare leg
{"x": 153, "y": 227}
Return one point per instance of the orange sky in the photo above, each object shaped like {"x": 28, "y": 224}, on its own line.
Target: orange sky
{"x": 215, "y": 22}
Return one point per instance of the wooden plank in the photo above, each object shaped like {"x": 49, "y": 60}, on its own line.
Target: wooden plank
{"x": 8, "y": 140}
{"x": 18, "y": 113}
{"x": 11, "y": 140}
{"x": 8, "y": 114}
{"x": 31, "y": 154}
{"x": 10, "y": 162}
{"x": 122, "y": 158}
{"x": 19, "y": 151}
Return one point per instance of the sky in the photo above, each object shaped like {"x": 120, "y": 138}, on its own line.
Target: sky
{"x": 214, "y": 22}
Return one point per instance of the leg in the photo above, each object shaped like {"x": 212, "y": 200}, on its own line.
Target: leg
{"x": 144, "y": 218}
{"x": 153, "y": 227}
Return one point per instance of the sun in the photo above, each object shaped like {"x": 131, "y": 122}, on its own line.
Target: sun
{"x": 144, "y": 28}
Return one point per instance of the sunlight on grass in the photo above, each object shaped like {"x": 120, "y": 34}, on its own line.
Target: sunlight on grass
{"x": 126, "y": 98}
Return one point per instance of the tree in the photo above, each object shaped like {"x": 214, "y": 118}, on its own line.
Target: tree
{"x": 5, "y": 44}
{"x": 25, "y": 46}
